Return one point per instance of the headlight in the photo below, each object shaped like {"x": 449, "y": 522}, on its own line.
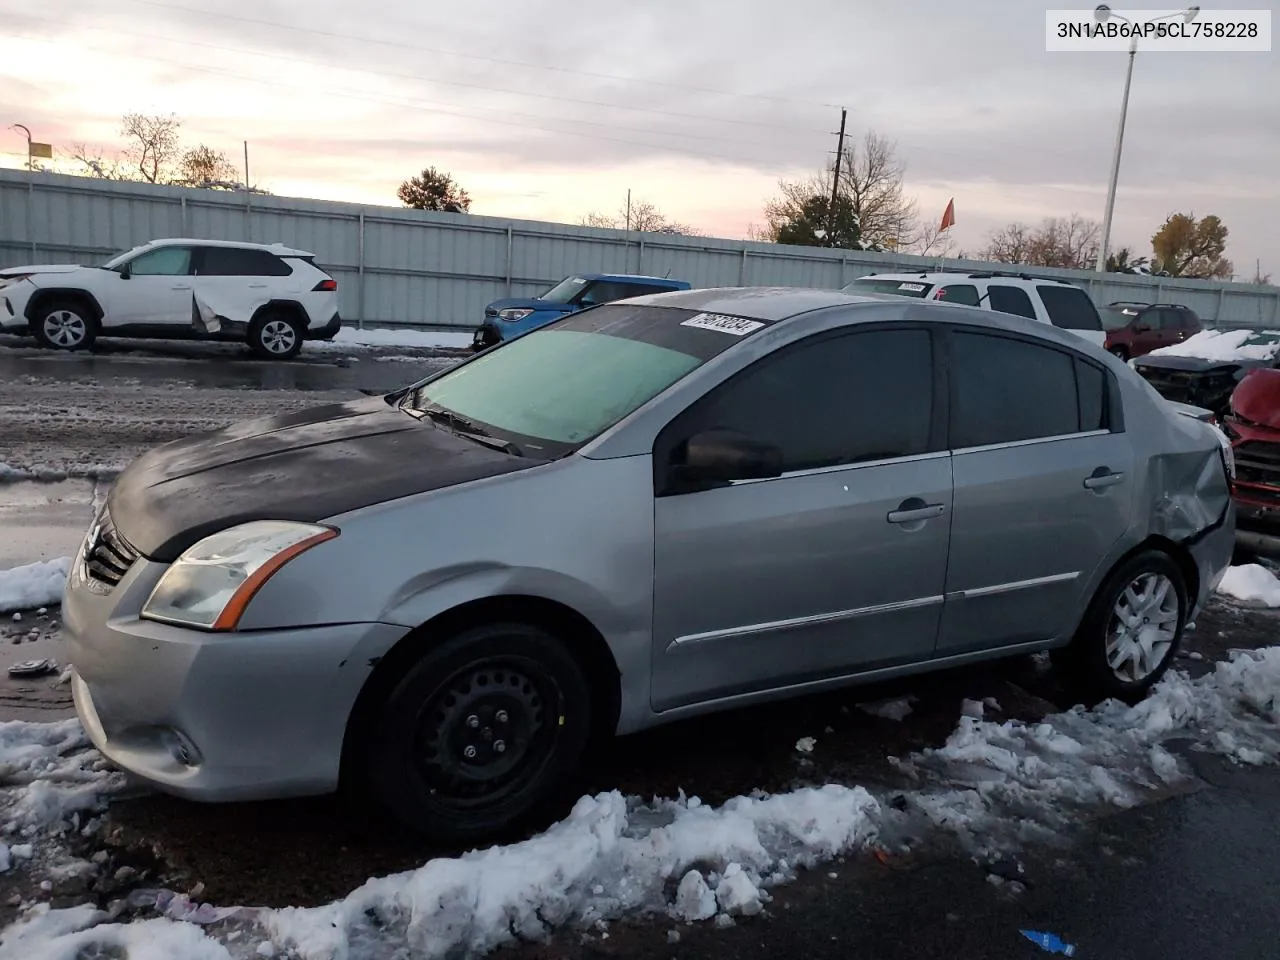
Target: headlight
{"x": 211, "y": 584}
{"x": 514, "y": 314}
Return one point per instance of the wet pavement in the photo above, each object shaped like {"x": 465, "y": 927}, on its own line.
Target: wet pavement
{"x": 89, "y": 414}
{"x": 1190, "y": 877}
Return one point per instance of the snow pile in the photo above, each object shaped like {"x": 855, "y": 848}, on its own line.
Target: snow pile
{"x": 1225, "y": 346}
{"x": 993, "y": 784}
{"x": 898, "y": 709}
{"x": 349, "y": 337}
{"x": 1032, "y": 777}
{"x": 36, "y": 584}
{"x": 48, "y": 773}
{"x": 1252, "y": 583}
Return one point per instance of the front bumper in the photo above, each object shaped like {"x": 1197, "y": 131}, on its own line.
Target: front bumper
{"x": 213, "y": 717}
{"x": 486, "y": 335}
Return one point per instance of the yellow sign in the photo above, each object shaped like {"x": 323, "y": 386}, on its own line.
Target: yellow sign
{"x": 41, "y": 150}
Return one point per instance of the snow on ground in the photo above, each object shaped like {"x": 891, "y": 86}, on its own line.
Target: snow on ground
{"x": 993, "y": 785}
{"x": 32, "y": 585}
{"x": 1225, "y": 345}
{"x": 1253, "y": 583}
{"x": 349, "y": 337}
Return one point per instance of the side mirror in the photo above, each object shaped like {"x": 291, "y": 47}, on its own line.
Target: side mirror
{"x": 126, "y": 272}
{"x": 714, "y": 458}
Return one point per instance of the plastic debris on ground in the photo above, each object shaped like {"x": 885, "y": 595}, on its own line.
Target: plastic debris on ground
{"x": 1050, "y": 943}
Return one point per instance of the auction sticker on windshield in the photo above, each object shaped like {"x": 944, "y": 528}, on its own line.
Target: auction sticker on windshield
{"x": 736, "y": 326}
{"x": 913, "y": 287}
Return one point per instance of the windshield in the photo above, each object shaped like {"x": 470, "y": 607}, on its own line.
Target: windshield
{"x": 1117, "y": 318}
{"x": 565, "y": 290}
{"x": 553, "y": 389}
{"x": 118, "y": 259}
{"x": 899, "y": 288}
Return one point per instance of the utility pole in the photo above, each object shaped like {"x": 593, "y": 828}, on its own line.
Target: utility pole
{"x": 628, "y": 209}
{"x": 835, "y": 181}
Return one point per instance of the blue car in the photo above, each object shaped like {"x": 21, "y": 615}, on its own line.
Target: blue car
{"x": 504, "y": 319}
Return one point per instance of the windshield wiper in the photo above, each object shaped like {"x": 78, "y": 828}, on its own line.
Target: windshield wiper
{"x": 461, "y": 426}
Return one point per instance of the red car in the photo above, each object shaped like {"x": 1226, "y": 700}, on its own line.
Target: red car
{"x": 1253, "y": 426}
{"x": 1134, "y": 329}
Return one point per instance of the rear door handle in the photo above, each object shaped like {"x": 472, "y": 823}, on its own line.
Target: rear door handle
{"x": 257, "y": 286}
{"x": 914, "y": 514}
{"x": 182, "y": 287}
{"x": 1102, "y": 477}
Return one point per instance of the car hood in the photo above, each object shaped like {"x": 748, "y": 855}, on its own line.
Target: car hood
{"x": 527, "y": 303}
{"x": 1193, "y": 364}
{"x": 305, "y": 466}
{"x": 1257, "y": 398}
{"x": 39, "y": 268}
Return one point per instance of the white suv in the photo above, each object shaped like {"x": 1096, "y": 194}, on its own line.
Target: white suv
{"x": 1048, "y": 301}
{"x": 272, "y": 297}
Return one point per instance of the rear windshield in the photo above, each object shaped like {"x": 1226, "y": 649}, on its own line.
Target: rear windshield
{"x": 900, "y": 288}
{"x": 556, "y": 387}
{"x": 1070, "y": 308}
{"x": 1117, "y": 318}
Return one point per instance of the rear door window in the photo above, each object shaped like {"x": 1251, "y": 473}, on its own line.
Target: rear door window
{"x": 1003, "y": 298}
{"x": 1069, "y": 308}
{"x": 965, "y": 293}
{"x": 1004, "y": 390}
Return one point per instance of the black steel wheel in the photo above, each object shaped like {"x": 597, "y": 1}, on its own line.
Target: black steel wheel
{"x": 480, "y": 732}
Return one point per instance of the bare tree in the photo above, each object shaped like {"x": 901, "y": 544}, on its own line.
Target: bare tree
{"x": 871, "y": 176}
{"x": 932, "y": 241}
{"x": 153, "y": 145}
{"x": 643, "y": 217}
{"x": 1070, "y": 242}
{"x": 96, "y": 163}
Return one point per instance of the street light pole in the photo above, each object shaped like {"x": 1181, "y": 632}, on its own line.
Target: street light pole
{"x": 30, "y": 161}
{"x": 1103, "y": 248}
{"x": 1102, "y": 13}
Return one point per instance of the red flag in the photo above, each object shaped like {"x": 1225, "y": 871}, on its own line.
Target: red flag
{"x": 949, "y": 215}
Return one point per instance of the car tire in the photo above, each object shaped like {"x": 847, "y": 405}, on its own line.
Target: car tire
{"x": 1120, "y": 352}
{"x": 65, "y": 325}
{"x": 480, "y": 733}
{"x": 275, "y": 336}
{"x": 1111, "y": 658}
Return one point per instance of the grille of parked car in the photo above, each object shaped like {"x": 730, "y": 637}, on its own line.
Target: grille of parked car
{"x": 107, "y": 555}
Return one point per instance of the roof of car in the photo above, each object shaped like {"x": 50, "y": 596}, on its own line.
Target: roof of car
{"x": 950, "y": 276}
{"x": 624, "y": 277}
{"x": 761, "y": 303}
{"x": 277, "y": 248}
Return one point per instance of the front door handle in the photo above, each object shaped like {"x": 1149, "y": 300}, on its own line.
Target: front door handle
{"x": 912, "y": 514}
{"x": 183, "y": 287}
{"x": 1102, "y": 477}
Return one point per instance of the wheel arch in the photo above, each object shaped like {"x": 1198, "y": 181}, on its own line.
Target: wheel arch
{"x": 1177, "y": 552}
{"x": 46, "y": 295}
{"x": 585, "y": 642}
{"x": 290, "y": 308}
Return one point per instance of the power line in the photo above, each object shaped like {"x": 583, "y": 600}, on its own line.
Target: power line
{"x": 411, "y": 104}
{"x": 501, "y": 61}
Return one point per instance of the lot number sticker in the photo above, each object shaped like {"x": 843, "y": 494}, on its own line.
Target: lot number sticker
{"x": 735, "y": 326}
{"x": 913, "y": 287}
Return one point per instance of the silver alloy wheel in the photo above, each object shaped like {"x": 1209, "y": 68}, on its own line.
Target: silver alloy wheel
{"x": 278, "y": 336}
{"x": 1143, "y": 626}
{"x": 65, "y": 328}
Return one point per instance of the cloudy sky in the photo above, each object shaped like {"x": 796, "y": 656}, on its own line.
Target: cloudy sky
{"x": 549, "y": 109}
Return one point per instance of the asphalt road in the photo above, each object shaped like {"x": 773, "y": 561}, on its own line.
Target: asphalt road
{"x": 1190, "y": 875}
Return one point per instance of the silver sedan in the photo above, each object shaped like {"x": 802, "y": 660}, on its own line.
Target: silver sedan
{"x": 648, "y": 510}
